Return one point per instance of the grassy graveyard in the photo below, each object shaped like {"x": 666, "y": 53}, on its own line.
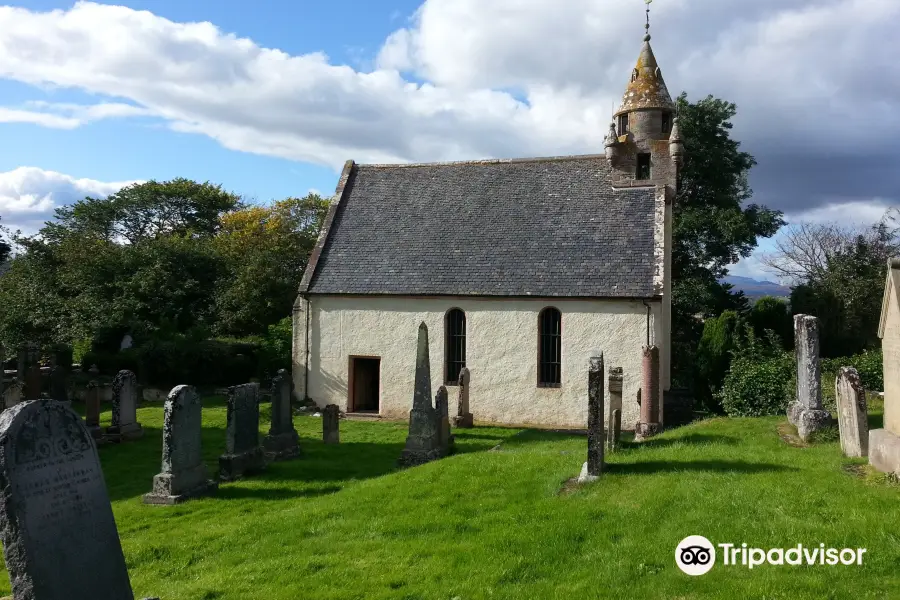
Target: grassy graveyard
{"x": 343, "y": 522}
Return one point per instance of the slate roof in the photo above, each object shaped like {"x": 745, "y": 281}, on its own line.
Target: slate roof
{"x": 528, "y": 227}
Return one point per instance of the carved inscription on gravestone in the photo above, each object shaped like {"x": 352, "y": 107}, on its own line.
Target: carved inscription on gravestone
{"x": 58, "y": 532}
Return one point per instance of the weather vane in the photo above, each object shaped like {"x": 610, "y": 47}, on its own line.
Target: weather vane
{"x": 647, "y": 26}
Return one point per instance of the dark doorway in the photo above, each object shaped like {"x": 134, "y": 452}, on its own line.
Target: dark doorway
{"x": 365, "y": 384}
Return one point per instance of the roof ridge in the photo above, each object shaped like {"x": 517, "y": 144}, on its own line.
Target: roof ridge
{"x": 485, "y": 161}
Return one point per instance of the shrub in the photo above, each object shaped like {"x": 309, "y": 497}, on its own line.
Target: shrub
{"x": 756, "y": 387}
{"x": 719, "y": 339}
{"x": 773, "y": 314}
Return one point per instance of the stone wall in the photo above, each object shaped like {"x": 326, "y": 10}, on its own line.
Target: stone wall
{"x": 501, "y": 352}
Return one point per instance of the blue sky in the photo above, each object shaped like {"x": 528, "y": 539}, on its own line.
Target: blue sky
{"x": 269, "y": 98}
{"x": 348, "y": 32}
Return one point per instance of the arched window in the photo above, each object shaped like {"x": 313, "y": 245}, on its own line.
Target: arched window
{"x": 455, "y": 346}
{"x": 549, "y": 348}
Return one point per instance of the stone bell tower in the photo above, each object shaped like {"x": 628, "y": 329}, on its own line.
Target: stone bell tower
{"x": 644, "y": 145}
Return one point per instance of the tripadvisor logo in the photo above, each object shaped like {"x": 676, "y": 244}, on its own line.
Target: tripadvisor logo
{"x": 696, "y": 555}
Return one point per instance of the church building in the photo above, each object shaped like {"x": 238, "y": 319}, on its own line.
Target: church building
{"x": 521, "y": 268}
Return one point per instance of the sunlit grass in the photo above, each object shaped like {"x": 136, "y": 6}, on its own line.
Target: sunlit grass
{"x": 343, "y": 522}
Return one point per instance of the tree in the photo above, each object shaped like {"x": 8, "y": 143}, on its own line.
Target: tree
{"x": 265, "y": 250}
{"x": 140, "y": 260}
{"x": 773, "y": 314}
{"x": 713, "y": 227}
{"x": 721, "y": 336}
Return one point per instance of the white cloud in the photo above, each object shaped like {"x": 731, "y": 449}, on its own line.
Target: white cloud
{"x": 10, "y": 115}
{"x": 847, "y": 212}
{"x": 504, "y": 78}
{"x": 29, "y": 195}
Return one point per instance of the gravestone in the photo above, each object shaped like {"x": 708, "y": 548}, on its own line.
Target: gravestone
{"x": 806, "y": 412}
{"x": 463, "y": 418}
{"x": 59, "y": 384}
{"x": 423, "y": 441}
{"x": 92, "y": 406}
{"x": 442, "y": 414}
{"x": 29, "y": 370}
{"x": 125, "y": 425}
{"x": 183, "y": 475}
{"x": 282, "y": 441}
{"x": 614, "y": 430}
{"x": 12, "y": 395}
{"x": 649, "y": 424}
{"x": 243, "y": 454}
{"x": 852, "y": 414}
{"x": 58, "y": 531}
{"x": 593, "y": 467}
{"x": 331, "y": 433}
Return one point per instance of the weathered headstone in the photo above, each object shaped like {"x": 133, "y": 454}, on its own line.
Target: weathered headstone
{"x": 243, "y": 454}
{"x": 806, "y": 412}
{"x": 649, "y": 424}
{"x": 282, "y": 441}
{"x": 92, "y": 405}
{"x": 59, "y": 384}
{"x": 852, "y": 413}
{"x": 614, "y": 429}
{"x": 463, "y": 418}
{"x": 183, "y": 475}
{"x": 442, "y": 414}
{"x": 125, "y": 425}
{"x": 593, "y": 467}
{"x": 58, "y": 531}
{"x": 423, "y": 441}
{"x": 331, "y": 432}
{"x": 12, "y": 395}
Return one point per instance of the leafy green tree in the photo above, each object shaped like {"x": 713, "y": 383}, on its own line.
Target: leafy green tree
{"x": 773, "y": 314}
{"x": 721, "y": 336}
{"x": 265, "y": 249}
{"x": 714, "y": 225}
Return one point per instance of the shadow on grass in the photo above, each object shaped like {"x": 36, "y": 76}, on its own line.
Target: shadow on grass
{"x": 467, "y": 434}
{"x": 668, "y": 466}
{"x": 227, "y": 492}
{"x": 691, "y": 439}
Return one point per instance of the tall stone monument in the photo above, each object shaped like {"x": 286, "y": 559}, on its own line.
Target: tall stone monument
{"x": 593, "y": 467}
{"x": 463, "y": 418}
{"x": 423, "y": 442}
{"x": 884, "y": 444}
{"x": 852, "y": 413}
{"x": 125, "y": 425}
{"x": 12, "y": 394}
{"x": 806, "y": 412}
{"x": 614, "y": 430}
{"x": 243, "y": 454}
{"x": 57, "y": 527}
{"x": 331, "y": 429}
{"x": 30, "y": 370}
{"x": 282, "y": 442}
{"x": 649, "y": 425}
{"x": 183, "y": 475}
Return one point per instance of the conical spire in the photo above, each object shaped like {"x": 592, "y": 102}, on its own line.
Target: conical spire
{"x": 646, "y": 88}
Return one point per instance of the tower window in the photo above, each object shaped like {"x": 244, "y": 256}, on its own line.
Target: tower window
{"x": 623, "y": 124}
{"x": 667, "y": 122}
{"x": 455, "y": 355}
{"x": 549, "y": 348}
{"x": 643, "y": 167}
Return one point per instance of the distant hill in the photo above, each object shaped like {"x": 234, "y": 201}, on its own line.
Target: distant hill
{"x": 753, "y": 288}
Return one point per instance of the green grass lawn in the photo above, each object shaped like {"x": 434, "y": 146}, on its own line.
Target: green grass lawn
{"x": 343, "y": 522}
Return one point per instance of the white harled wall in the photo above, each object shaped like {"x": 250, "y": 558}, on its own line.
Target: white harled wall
{"x": 501, "y": 352}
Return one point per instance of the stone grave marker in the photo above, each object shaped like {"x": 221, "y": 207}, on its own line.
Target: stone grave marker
{"x": 58, "y": 531}
{"x": 463, "y": 418}
{"x": 423, "y": 441}
{"x": 650, "y": 424}
{"x": 442, "y": 414}
{"x": 806, "y": 412}
{"x": 852, "y": 413}
{"x": 614, "y": 430}
{"x": 593, "y": 467}
{"x": 282, "y": 442}
{"x": 12, "y": 395}
{"x": 92, "y": 406}
{"x": 243, "y": 454}
{"x": 59, "y": 384}
{"x": 183, "y": 475}
{"x": 124, "y": 425}
{"x": 331, "y": 432}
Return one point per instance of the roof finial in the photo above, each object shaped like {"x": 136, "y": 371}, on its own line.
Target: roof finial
{"x": 647, "y": 26}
